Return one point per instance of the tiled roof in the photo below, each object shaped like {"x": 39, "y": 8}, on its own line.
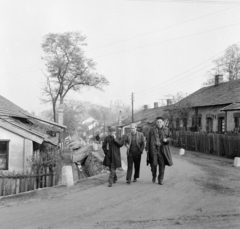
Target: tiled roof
{"x": 17, "y": 117}
{"x": 31, "y": 128}
{"x": 232, "y": 107}
{"x": 224, "y": 93}
{"x": 146, "y": 116}
{"x": 10, "y": 109}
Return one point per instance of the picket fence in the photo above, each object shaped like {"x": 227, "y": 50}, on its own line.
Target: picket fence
{"x": 14, "y": 183}
{"x": 211, "y": 143}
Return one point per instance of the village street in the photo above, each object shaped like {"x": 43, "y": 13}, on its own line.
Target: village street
{"x": 199, "y": 191}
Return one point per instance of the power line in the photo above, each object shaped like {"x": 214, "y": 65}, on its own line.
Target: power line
{"x": 190, "y": 1}
{"x": 188, "y": 69}
{"x": 164, "y": 88}
{"x": 168, "y": 40}
{"x": 154, "y": 31}
{"x": 147, "y": 34}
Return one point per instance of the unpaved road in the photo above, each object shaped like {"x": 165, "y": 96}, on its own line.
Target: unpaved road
{"x": 199, "y": 191}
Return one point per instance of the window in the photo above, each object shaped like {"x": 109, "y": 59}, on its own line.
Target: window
{"x": 193, "y": 121}
{"x": 177, "y": 123}
{"x": 185, "y": 122}
{"x": 209, "y": 126}
{"x": 199, "y": 121}
{"x": 236, "y": 121}
{"x": 4, "y": 146}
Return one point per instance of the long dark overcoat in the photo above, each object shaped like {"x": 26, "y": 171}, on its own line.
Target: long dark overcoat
{"x": 111, "y": 150}
{"x": 151, "y": 146}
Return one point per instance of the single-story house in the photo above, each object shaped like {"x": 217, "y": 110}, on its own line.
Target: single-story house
{"x": 216, "y": 108}
{"x": 143, "y": 118}
{"x": 21, "y": 135}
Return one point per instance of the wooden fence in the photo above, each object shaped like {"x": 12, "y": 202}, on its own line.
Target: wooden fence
{"x": 12, "y": 183}
{"x": 218, "y": 144}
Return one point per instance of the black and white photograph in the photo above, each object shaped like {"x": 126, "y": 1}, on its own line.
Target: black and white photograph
{"x": 120, "y": 114}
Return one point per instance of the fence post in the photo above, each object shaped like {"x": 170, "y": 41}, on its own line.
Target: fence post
{"x": 67, "y": 175}
{"x": 26, "y": 181}
{"x": 47, "y": 177}
{"x": 34, "y": 179}
{"x": 1, "y": 184}
{"x": 195, "y": 140}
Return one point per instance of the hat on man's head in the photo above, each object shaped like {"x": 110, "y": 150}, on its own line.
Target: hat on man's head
{"x": 112, "y": 129}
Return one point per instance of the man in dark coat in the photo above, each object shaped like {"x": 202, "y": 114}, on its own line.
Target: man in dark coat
{"x": 111, "y": 147}
{"x": 135, "y": 145}
{"x": 158, "y": 151}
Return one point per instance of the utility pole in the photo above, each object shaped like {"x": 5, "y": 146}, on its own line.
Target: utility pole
{"x": 132, "y": 108}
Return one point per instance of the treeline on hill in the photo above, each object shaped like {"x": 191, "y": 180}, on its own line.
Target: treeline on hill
{"x": 76, "y": 112}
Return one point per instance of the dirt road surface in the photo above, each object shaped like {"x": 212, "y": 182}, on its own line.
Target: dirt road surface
{"x": 199, "y": 191}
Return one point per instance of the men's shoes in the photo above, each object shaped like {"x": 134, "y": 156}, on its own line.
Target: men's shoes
{"x": 154, "y": 180}
{"x": 160, "y": 178}
{"x": 135, "y": 180}
{"x": 110, "y": 185}
{"x": 128, "y": 182}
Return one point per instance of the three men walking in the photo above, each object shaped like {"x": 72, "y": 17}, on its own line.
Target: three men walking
{"x": 135, "y": 145}
{"x": 157, "y": 147}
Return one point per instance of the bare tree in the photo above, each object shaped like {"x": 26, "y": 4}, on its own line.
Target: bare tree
{"x": 228, "y": 65}
{"x": 179, "y": 110}
{"x": 67, "y": 67}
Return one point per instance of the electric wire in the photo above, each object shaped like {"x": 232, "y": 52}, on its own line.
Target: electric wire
{"x": 174, "y": 39}
{"x": 167, "y": 27}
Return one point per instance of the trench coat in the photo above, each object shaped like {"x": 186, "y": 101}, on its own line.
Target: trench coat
{"x": 151, "y": 146}
{"x": 111, "y": 149}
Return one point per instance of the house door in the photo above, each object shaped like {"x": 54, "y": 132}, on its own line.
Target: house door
{"x": 209, "y": 127}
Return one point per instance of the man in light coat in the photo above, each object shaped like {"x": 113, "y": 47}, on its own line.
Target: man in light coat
{"x": 135, "y": 145}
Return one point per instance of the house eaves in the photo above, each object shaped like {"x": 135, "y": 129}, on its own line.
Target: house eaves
{"x": 232, "y": 107}
{"x": 21, "y": 132}
{"x": 46, "y": 121}
{"x": 24, "y": 131}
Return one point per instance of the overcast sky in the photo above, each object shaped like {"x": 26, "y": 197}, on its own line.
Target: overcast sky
{"x": 151, "y": 48}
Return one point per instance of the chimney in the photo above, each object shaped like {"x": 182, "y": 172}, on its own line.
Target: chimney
{"x": 169, "y": 102}
{"x": 145, "y": 107}
{"x": 156, "y": 105}
{"x": 218, "y": 79}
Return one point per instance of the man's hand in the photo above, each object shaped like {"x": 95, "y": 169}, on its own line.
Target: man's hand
{"x": 114, "y": 136}
{"x": 165, "y": 139}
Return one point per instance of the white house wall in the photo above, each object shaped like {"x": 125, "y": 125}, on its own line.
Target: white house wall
{"x": 16, "y": 159}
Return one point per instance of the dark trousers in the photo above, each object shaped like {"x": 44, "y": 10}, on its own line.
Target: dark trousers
{"x": 158, "y": 161}
{"x": 112, "y": 175}
{"x": 133, "y": 159}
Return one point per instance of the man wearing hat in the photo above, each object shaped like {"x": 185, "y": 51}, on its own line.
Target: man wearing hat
{"x": 135, "y": 146}
{"x": 111, "y": 147}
